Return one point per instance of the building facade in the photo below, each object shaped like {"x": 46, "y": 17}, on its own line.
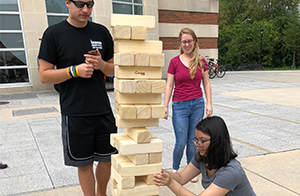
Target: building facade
{"x": 22, "y": 23}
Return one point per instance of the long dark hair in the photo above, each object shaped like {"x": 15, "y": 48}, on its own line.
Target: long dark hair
{"x": 220, "y": 151}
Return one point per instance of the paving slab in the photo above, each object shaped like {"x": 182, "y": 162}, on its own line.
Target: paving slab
{"x": 261, "y": 109}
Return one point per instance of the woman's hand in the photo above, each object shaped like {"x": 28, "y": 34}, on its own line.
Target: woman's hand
{"x": 208, "y": 110}
{"x": 162, "y": 179}
{"x": 166, "y": 112}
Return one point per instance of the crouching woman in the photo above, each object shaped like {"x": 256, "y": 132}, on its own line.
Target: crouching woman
{"x": 215, "y": 159}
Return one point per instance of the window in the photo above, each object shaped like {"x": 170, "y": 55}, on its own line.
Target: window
{"x": 13, "y": 62}
{"x": 57, "y": 11}
{"x": 134, "y": 7}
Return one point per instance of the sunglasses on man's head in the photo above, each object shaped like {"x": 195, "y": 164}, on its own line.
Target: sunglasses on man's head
{"x": 81, "y": 4}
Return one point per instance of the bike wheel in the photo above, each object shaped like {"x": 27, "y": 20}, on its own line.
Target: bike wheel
{"x": 221, "y": 70}
{"x": 212, "y": 71}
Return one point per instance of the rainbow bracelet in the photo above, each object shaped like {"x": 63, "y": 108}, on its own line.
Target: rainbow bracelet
{"x": 72, "y": 71}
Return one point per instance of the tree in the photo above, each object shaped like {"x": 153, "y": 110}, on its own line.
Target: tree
{"x": 291, "y": 39}
{"x": 240, "y": 22}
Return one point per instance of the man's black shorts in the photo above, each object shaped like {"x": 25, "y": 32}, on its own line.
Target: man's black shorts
{"x": 87, "y": 139}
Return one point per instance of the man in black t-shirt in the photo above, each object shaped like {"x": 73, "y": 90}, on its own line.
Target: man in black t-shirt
{"x": 87, "y": 118}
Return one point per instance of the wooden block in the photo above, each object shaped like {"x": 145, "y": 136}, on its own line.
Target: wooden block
{"x": 138, "y": 33}
{"x": 116, "y": 159}
{"x": 127, "y": 146}
{"x": 141, "y": 59}
{"x": 129, "y": 169}
{"x": 138, "y": 72}
{"x": 122, "y": 32}
{"x": 125, "y": 86}
{"x": 128, "y": 123}
{"x": 157, "y": 111}
{"x": 158, "y": 86}
{"x": 137, "y": 98}
{"x": 139, "y": 135}
{"x": 135, "y": 46}
{"x": 115, "y": 139}
{"x": 143, "y": 86}
{"x": 148, "y": 179}
{"x": 124, "y": 59}
{"x": 157, "y": 60}
{"x": 132, "y": 20}
{"x": 139, "y": 159}
{"x": 113, "y": 182}
{"x": 143, "y": 111}
{"x": 140, "y": 189}
{"x": 126, "y": 111}
{"x": 123, "y": 182}
{"x": 114, "y": 191}
{"x": 155, "y": 157}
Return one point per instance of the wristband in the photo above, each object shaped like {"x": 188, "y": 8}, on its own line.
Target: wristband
{"x": 71, "y": 71}
{"x": 68, "y": 72}
{"x": 76, "y": 71}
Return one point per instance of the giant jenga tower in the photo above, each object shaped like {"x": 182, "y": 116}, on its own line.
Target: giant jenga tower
{"x": 138, "y": 88}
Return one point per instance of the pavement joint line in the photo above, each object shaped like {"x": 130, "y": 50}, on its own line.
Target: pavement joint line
{"x": 258, "y": 114}
{"x": 252, "y": 145}
{"x": 271, "y": 181}
{"x": 35, "y": 141}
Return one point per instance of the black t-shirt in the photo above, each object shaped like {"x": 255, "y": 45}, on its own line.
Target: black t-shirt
{"x": 64, "y": 45}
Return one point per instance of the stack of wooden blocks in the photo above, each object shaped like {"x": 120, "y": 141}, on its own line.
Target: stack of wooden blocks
{"x": 138, "y": 88}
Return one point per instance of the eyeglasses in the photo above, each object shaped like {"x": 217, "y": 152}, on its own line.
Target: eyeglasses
{"x": 199, "y": 142}
{"x": 187, "y": 42}
{"x": 81, "y": 4}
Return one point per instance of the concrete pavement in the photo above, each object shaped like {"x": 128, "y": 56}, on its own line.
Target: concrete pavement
{"x": 261, "y": 109}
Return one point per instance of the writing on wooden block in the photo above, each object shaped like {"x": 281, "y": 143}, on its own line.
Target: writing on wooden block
{"x": 138, "y": 33}
{"x": 141, "y": 59}
{"x": 126, "y": 111}
{"x": 157, "y": 60}
{"x": 132, "y": 20}
{"x": 137, "y": 98}
{"x": 158, "y": 86}
{"x": 123, "y": 182}
{"x": 139, "y": 159}
{"x": 143, "y": 111}
{"x": 155, "y": 157}
{"x": 138, "y": 72}
{"x": 135, "y": 46}
{"x": 124, "y": 59}
{"x": 139, "y": 135}
{"x": 157, "y": 111}
{"x": 125, "y": 86}
{"x": 143, "y": 86}
{"x": 122, "y": 32}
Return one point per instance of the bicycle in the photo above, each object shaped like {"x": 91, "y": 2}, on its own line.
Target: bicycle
{"x": 215, "y": 69}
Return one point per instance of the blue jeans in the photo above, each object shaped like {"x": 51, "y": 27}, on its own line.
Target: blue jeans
{"x": 186, "y": 115}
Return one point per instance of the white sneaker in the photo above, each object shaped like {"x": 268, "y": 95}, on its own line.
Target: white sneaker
{"x": 175, "y": 171}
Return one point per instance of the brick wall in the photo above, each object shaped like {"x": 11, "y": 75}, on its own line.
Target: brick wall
{"x": 172, "y": 43}
{"x": 183, "y": 17}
